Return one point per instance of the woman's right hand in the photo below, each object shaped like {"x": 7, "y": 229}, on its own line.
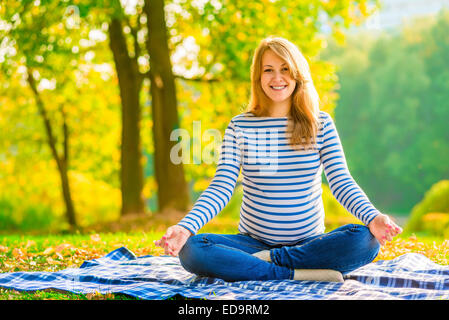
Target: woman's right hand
{"x": 174, "y": 239}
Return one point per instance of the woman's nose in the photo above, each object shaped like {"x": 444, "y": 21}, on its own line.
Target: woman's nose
{"x": 277, "y": 75}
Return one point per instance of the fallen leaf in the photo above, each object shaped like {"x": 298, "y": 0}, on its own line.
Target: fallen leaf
{"x": 63, "y": 246}
{"x": 17, "y": 253}
{"x": 95, "y": 237}
{"x": 30, "y": 243}
{"x": 48, "y": 251}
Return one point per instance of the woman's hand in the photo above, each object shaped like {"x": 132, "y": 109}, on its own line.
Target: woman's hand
{"x": 383, "y": 228}
{"x": 174, "y": 239}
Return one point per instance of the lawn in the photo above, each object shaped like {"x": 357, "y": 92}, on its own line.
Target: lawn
{"x": 56, "y": 252}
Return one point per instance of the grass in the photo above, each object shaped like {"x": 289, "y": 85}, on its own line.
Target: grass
{"x": 54, "y": 252}
{"x": 57, "y": 252}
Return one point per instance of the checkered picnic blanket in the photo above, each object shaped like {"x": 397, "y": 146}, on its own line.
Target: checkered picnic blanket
{"x": 410, "y": 276}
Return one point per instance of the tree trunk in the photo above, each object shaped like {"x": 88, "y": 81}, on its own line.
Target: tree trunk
{"x": 172, "y": 187}
{"x": 130, "y": 83}
{"x": 61, "y": 161}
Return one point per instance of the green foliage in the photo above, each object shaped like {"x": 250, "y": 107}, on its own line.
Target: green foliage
{"x": 16, "y": 215}
{"x": 432, "y": 213}
{"x": 42, "y": 210}
{"x": 393, "y": 110}
{"x": 75, "y": 86}
{"x": 335, "y": 214}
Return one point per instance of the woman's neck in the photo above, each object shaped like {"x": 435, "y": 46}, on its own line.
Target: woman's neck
{"x": 279, "y": 110}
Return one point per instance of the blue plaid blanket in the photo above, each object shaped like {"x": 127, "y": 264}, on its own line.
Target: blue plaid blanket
{"x": 410, "y": 276}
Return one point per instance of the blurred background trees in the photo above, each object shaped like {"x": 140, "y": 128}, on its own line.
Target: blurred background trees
{"x": 111, "y": 97}
{"x": 393, "y": 109}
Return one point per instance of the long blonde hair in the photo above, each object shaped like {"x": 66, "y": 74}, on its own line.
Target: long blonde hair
{"x": 304, "y": 110}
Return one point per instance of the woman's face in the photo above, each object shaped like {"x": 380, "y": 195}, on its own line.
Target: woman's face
{"x": 276, "y": 81}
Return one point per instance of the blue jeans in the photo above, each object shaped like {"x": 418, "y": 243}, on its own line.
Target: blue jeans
{"x": 229, "y": 256}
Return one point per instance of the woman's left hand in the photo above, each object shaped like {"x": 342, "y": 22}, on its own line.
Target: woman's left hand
{"x": 383, "y": 228}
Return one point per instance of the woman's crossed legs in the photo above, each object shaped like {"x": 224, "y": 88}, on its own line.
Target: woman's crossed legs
{"x": 230, "y": 257}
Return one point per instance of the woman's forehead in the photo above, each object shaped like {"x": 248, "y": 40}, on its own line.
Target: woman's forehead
{"x": 270, "y": 58}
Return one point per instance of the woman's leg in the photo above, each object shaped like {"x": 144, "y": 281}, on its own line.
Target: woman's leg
{"x": 343, "y": 249}
{"x": 229, "y": 257}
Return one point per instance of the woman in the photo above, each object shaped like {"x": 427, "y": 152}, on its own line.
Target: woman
{"x": 281, "y": 145}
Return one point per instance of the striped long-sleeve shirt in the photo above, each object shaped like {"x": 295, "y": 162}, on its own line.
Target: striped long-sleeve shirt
{"x": 282, "y": 190}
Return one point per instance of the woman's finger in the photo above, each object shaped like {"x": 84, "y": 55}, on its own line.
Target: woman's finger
{"x": 166, "y": 250}
{"x": 391, "y": 230}
{"x": 160, "y": 242}
{"x": 397, "y": 229}
{"x": 169, "y": 248}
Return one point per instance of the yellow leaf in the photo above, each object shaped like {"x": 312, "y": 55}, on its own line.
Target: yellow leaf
{"x": 48, "y": 251}
{"x": 51, "y": 261}
{"x": 17, "y": 253}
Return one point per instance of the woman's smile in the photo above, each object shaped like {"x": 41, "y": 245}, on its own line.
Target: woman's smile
{"x": 278, "y": 88}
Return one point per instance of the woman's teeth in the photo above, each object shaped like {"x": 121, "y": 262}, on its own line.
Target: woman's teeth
{"x": 278, "y": 88}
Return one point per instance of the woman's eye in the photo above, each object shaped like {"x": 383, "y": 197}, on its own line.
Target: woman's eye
{"x": 267, "y": 70}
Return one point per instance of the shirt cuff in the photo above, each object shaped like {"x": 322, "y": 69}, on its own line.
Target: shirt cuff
{"x": 188, "y": 227}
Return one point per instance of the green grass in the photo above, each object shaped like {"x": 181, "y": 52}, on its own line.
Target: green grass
{"x": 54, "y": 252}
{"x": 57, "y": 252}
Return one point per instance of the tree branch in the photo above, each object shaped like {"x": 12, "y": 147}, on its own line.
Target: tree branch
{"x": 66, "y": 135}
{"x": 43, "y": 113}
{"x": 199, "y": 79}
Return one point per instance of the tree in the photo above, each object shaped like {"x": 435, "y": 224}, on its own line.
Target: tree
{"x": 130, "y": 83}
{"x": 33, "y": 48}
{"x": 172, "y": 187}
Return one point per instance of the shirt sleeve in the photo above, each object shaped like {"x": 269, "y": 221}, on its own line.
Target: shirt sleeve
{"x": 221, "y": 188}
{"x": 341, "y": 183}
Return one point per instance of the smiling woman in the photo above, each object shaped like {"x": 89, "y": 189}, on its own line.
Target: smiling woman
{"x": 282, "y": 215}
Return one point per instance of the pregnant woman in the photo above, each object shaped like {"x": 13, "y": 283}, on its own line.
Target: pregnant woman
{"x": 281, "y": 146}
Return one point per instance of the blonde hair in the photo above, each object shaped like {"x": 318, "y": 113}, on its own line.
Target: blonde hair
{"x": 304, "y": 110}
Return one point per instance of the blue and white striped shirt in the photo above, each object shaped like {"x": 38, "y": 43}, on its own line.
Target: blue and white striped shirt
{"x": 282, "y": 201}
